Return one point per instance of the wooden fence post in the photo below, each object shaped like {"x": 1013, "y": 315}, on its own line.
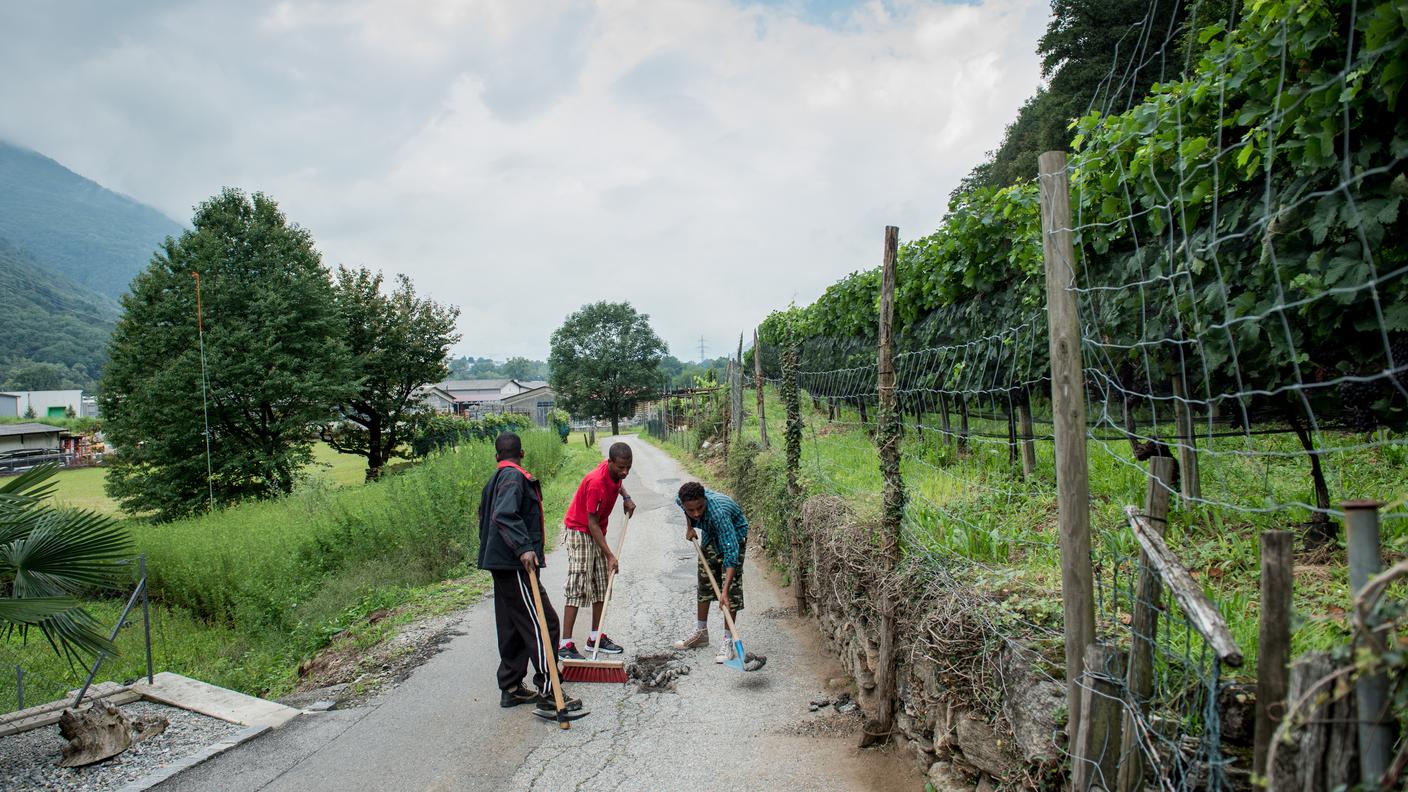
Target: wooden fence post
{"x": 758, "y": 382}
{"x": 1274, "y": 642}
{"x": 1024, "y": 423}
{"x": 1097, "y": 750}
{"x": 1191, "y": 483}
{"x": 793, "y": 437}
{"x": 1068, "y": 409}
{"x": 1144, "y": 626}
{"x": 888, "y": 438}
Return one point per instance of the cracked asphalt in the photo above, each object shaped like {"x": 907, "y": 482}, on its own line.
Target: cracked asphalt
{"x": 442, "y": 728}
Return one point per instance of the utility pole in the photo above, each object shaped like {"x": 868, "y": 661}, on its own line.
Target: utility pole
{"x": 701, "y": 350}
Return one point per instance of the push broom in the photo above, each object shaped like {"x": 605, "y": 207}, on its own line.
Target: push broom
{"x": 592, "y": 669}
{"x": 740, "y": 660}
{"x": 562, "y": 716}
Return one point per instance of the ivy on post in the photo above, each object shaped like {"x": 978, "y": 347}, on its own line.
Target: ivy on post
{"x": 887, "y": 437}
{"x": 790, "y": 362}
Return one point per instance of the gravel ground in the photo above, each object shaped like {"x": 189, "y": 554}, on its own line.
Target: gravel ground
{"x": 27, "y": 760}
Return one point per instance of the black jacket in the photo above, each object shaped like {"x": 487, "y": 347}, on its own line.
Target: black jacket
{"x": 510, "y": 519}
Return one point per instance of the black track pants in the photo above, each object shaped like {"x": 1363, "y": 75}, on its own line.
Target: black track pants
{"x": 520, "y": 638}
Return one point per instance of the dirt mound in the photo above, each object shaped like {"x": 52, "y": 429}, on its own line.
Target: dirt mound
{"x": 657, "y": 672}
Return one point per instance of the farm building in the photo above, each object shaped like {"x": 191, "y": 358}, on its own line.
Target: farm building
{"x": 9, "y": 405}
{"x": 479, "y": 397}
{"x": 55, "y": 403}
{"x": 436, "y": 398}
{"x": 28, "y": 437}
{"x": 537, "y": 402}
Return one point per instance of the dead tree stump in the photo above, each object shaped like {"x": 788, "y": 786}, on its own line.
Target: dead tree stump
{"x": 96, "y": 733}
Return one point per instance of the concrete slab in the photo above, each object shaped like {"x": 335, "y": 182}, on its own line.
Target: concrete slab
{"x": 217, "y": 702}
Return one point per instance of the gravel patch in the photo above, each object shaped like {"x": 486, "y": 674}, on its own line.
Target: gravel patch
{"x": 27, "y": 760}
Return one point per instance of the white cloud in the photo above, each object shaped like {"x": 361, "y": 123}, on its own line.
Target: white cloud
{"x": 704, "y": 160}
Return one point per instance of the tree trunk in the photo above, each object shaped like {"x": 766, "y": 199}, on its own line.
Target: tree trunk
{"x": 1321, "y": 530}
{"x": 375, "y": 458}
{"x": 615, "y": 422}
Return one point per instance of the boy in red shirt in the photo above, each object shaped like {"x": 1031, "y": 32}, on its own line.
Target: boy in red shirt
{"x": 589, "y": 559}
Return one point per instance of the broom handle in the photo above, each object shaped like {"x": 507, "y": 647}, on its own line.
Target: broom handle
{"x": 610, "y": 581}
{"x": 728, "y": 620}
{"x": 551, "y": 653}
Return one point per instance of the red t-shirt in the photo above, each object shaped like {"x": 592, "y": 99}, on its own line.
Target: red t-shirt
{"x": 595, "y": 495}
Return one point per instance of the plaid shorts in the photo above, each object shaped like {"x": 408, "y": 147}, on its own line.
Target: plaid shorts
{"x": 716, "y": 563}
{"x": 586, "y": 570}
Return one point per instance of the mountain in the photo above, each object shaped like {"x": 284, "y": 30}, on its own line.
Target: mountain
{"x": 72, "y": 226}
{"x": 54, "y": 332}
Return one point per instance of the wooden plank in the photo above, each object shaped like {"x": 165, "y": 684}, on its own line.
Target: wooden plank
{"x": 1200, "y": 611}
{"x": 217, "y": 702}
{"x": 48, "y": 714}
{"x": 1097, "y": 755}
{"x": 1068, "y": 414}
{"x": 1144, "y": 627}
{"x": 1274, "y": 641}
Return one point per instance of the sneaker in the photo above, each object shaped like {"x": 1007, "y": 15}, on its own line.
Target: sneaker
{"x": 520, "y": 695}
{"x": 608, "y": 646}
{"x": 725, "y": 651}
{"x": 547, "y": 704}
{"x": 569, "y": 652}
{"x": 694, "y": 640}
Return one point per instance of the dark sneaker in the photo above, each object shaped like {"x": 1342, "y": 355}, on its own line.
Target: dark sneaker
{"x": 569, "y": 652}
{"x": 520, "y": 695}
{"x": 608, "y": 646}
{"x": 546, "y": 703}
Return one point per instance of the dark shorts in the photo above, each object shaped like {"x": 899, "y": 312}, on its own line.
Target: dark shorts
{"x": 716, "y": 563}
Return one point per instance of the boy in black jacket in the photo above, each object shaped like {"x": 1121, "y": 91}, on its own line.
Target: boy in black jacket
{"x": 511, "y": 543}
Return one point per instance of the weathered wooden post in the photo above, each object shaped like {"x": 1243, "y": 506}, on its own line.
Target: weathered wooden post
{"x": 888, "y": 438}
{"x": 1096, "y": 757}
{"x": 1371, "y": 692}
{"x": 793, "y": 438}
{"x": 758, "y": 382}
{"x": 1273, "y": 642}
{"x": 1144, "y": 626}
{"x": 1068, "y": 410}
{"x": 1191, "y": 484}
{"x": 1024, "y": 422}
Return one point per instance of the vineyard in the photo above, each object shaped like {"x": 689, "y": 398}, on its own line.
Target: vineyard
{"x": 1238, "y": 285}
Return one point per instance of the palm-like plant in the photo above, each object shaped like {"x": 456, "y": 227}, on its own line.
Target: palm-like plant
{"x": 48, "y": 558}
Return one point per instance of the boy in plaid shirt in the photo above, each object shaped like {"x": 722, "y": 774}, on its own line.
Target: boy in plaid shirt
{"x": 718, "y": 522}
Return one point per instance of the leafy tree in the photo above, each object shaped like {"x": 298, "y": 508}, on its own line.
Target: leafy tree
{"x": 398, "y": 343}
{"x": 521, "y": 368}
{"x": 276, "y": 361}
{"x": 37, "y": 376}
{"x": 604, "y": 358}
{"x": 50, "y": 557}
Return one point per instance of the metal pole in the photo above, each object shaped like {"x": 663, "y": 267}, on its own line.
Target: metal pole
{"x": 146, "y": 614}
{"x": 1370, "y": 692}
{"x": 131, "y": 601}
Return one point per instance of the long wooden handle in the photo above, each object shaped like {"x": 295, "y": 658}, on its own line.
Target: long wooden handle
{"x": 550, "y": 651}
{"x": 728, "y": 619}
{"x": 610, "y": 583}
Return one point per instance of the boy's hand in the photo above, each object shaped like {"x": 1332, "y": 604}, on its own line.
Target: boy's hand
{"x": 689, "y": 534}
{"x": 612, "y": 565}
{"x": 529, "y": 561}
{"x": 629, "y": 507}
{"x": 724, "y": 603}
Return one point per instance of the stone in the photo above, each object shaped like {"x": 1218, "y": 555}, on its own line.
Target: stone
{"x": 904, "y": 723}
{"x": 1031, "y": 705}
{"x": 942, "y": 778}
{"x": 838, "y": 683}
{"x": 983, "y": 748}
{"x": 985, "y": 784}
{"x": 95, "y": 733}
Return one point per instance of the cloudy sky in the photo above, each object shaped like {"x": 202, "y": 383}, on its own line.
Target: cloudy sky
{"x": 706, "y": 160}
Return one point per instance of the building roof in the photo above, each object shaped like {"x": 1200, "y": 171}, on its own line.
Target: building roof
{"x": 529, "y": 395}
{"x": 10, "y": 430}
{"x": 479, "y": 384}
{"x": 532, "y": 384}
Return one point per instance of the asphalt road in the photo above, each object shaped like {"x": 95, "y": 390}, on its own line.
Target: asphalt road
{"x": 718, "y": 729}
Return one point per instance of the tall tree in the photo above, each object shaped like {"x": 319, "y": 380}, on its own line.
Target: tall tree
{"x": 276, "y": 361}
{"x": 521, "y": 368}
{"x": 398, "y": 343}
{"x": 603, "y": 359}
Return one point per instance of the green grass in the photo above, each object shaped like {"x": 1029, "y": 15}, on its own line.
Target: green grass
{"x": 241, "y": 597}
{"x": 973, "y": 507}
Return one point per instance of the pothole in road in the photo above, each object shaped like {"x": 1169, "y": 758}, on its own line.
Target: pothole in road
{"x": 657, "y": 672}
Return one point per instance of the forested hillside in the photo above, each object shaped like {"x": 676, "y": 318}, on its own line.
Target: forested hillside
{"x": 55, "y": 332}
{"x": 73, "y": 226}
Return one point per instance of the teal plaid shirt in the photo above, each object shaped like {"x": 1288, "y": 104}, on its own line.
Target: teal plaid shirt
{"x": 722, "y": 525}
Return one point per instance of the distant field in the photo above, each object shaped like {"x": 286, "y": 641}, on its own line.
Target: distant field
{"x": 82, "y": 488}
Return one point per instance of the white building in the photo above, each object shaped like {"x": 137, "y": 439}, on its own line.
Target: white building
{"x": 54, "y": 404}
